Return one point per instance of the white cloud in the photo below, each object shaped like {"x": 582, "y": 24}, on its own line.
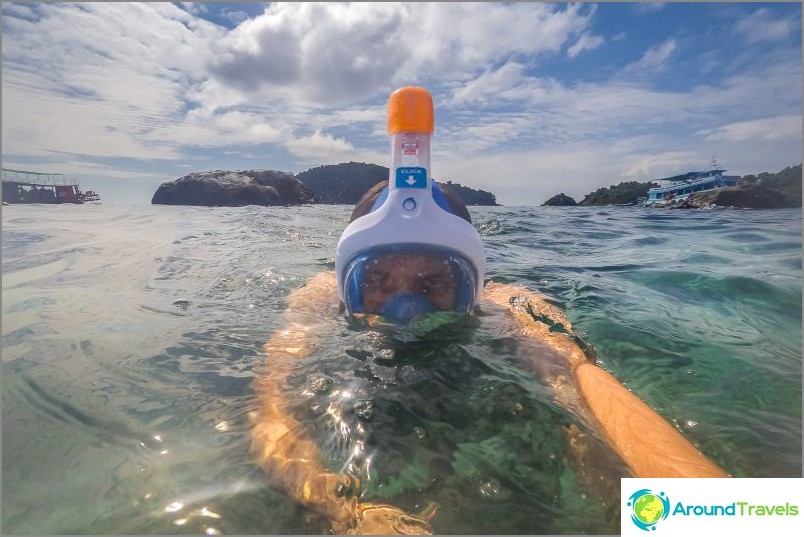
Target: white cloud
{"x": 306, "y": 84}
{"x": 18, "y": 10}
{"x": 530, "y": 177}
{"x": 661, "y": 164}
{"x": 511, "y": 110}
{"x": 341, "y": 53}
{"x": 759, "y": 26}
{"x": 195, "y": 8}
{"x": 236, "y": 17}
{"x": 766, "y": 129}
{"x": 592, "y": 135}
{"x": 655, "y": 58}
{"x": 507, "y": 83}
{"x": 152, "y": 80}
{"x": 112, "y": 72}
{"x": 649, "y": 7}
{"x": 319, "y": 146}
{"x": 586, "y": 42}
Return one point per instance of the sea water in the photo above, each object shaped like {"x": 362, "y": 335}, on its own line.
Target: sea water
{"x": 132, "y": 335}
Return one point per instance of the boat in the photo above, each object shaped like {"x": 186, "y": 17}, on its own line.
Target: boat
{"x": 673, "y": 190}
{"x": 21, "y": 186}
{"x": 91, "y": 195}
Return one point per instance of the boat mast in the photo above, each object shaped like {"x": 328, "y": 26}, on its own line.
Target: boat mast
{"x": 713, "y": 165}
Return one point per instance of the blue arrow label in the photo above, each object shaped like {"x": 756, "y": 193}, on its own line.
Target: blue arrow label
{"x": 411, "y": 178}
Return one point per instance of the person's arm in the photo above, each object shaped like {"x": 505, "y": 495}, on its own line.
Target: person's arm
{"x": 639, "y": 435}
{"x": 280, "y": 443}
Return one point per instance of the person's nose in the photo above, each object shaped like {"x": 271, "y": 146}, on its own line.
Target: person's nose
{"x": 406, "y": 283}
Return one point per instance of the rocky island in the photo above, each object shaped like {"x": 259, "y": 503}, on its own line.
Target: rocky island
{"x": 339, "y": 184}
{"x": 560, "y": 200}
{"x": 743, "y": 196}
{"x": 222, "y": 188}
{"x": 346, "y": 183}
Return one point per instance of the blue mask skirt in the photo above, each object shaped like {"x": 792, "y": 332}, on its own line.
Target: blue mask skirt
{"x": 404, "y": 307}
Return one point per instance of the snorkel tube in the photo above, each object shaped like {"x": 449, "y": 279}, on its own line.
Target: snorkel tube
{"x": 409, "y": 215}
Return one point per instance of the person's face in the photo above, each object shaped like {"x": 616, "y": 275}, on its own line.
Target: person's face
{"x": 427, "y": 275}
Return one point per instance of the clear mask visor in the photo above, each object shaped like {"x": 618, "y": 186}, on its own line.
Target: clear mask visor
{"x": 400, "y": 283}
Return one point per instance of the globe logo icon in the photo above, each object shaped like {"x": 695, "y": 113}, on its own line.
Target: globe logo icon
{"x": 648, "y": 508}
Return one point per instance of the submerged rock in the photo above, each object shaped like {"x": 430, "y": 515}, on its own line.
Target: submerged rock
{"x": 222, "y": 188}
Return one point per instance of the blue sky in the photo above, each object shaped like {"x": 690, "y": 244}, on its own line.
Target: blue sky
{"x": 532, "y": 99}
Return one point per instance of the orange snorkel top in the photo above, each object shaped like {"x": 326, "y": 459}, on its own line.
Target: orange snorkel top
{"x": 410, "y": 109}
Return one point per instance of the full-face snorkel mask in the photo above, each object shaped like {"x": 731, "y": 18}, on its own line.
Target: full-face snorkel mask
{"x": 410, "y": 255}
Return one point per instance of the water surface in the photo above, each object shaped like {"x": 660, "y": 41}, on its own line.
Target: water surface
{"x": 131, "y": 335}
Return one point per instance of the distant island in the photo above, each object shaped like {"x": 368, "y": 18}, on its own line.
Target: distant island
{"x": 345, "y": 184}
{"x": 766, "y": 190}
{"x": 337, "y": 184}
{"x": 223, "y": 188}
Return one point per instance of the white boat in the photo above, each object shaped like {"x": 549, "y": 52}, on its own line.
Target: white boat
{"x": 672, "y": 190}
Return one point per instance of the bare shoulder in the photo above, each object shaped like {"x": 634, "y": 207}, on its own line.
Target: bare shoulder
{"x": 318, "y": 294}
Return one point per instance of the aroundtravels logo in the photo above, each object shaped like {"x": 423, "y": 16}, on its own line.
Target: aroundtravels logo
{"x": 648, "y": 508}
{"x": 711, "y": 506}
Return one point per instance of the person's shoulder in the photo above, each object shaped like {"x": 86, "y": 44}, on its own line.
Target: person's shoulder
{"x": 319, "y": 294}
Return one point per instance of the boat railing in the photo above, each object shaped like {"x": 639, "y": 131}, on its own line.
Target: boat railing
{"x": 37, "y": 178}
{"x": 683, "y": 184}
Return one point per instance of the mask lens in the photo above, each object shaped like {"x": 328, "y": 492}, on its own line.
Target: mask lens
{"x": 401, "y": 285}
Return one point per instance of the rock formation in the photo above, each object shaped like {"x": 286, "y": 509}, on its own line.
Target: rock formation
{"x": 234, "y": 189}
{"x": 744, "y": 195}
{"x": 560, "y": 200}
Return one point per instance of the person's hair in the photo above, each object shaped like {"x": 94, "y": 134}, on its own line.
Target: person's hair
{"x": 363, "y": 207}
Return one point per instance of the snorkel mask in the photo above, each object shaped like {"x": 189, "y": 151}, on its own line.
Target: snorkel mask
{"x": 410, "y": 255}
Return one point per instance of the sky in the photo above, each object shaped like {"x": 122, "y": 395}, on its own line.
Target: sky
{"x": 531, "y": 99}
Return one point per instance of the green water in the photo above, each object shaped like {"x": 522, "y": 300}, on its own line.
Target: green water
{"x": 131, "y": 337}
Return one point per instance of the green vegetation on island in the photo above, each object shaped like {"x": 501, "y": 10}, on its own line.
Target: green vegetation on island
{"x": 624, "y": 193}
{"x": 787, "y": 181}
{"x": 346, "y": 183}
{"x": 342, "y": 184}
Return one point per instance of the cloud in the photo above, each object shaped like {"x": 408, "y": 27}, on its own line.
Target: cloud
{"x": 661, "y": 164}
{"x": 343, "y": 53}
{"x": 530, "y": 177}
{"x": 766, "y": 129}
{"x": 319, "y": 145}
{"x": 145, "y": 80}
{"x": 649, "y": 7}
{"x": 589, "y": 135}
{"x": 759, "y": 26}
{"x": 195, "y": 8}
{"x": 586, "y": 42}
{"x": 507, "y": 83}
{"x": 512, "y": 110}
{"x": 236, "y": 17}
{"x": 654, "y": 59}
{"x": 115, "y": 84}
